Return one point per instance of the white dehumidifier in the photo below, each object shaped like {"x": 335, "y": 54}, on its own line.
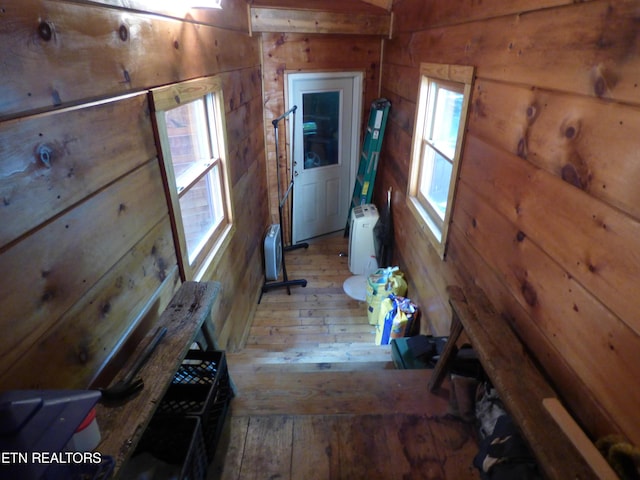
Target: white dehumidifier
{"x": 362, "y": 252}
{"x": 272, "y": 252}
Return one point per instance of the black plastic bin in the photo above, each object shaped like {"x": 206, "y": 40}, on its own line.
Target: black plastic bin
{"x": 177, "y": 441}
{"x": 81, "y": 471}
{"x": 200, "y": 388}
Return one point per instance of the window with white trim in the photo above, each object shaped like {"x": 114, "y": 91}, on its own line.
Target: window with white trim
{"x": 438, "y": 136}
{"x": 189, "y": 118}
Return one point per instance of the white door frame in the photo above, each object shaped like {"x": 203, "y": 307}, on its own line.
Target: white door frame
{"x": 357, "y": 80}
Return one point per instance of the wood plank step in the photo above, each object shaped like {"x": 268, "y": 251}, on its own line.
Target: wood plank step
{"x": 307, "y": 393}
{"x": 277, "y": 367}
{"x": 301, "y": 296}
{"x": 353, "y": 323}
{"x": 312, "y": 328}
{"x": 308, "y": 340}
{"x": 292, "y": 320}
{"x": 328, "y": 353}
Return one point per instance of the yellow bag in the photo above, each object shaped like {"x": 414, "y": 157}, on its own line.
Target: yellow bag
{"x": 380, "y": 285}
{"x": 397, "y": 316}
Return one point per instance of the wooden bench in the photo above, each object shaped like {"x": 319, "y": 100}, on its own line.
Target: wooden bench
{"x": 121, "y": 427}
{"x": 563, "y": 451}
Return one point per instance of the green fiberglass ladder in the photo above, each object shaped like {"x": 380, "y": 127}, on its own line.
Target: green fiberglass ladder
{"x": 363, "y": 188}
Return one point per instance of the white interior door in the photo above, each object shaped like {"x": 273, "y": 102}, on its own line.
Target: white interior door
{"x": 325, "y": 149}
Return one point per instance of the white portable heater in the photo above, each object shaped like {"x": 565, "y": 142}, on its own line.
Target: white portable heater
{"x": 362, "y": 253}
{"x": 272, "y": 252}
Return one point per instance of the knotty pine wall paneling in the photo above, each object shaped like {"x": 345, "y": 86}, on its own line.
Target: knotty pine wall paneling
{"x": 86, "y": 249}
{"x": 240, "y": 270}
{"x": 546, "y": 218}
{"x": 292, "y": 52}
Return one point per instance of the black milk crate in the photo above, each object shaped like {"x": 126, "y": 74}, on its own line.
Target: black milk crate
{"x": 177, "y": 441}
{"x": 84, "y": 471}
{"x": 200, "y": 388}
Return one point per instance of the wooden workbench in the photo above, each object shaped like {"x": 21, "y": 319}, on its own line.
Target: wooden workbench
{"x": 122, "y": 426}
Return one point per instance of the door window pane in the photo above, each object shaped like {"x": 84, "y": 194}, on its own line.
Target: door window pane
{"x": 321, "y": 128}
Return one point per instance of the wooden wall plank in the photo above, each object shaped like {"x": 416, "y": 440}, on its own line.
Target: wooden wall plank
{"x": 245, "y": 118}
{"x": 586, "y": 48}
{"x": 398, "y": 52}
{"x": 554, "y": 108}
{"x": 138, "y": 327}
{"x": 547, "y": 292}
{"x": 292, "y": 52}
{"x": 233, "y": 333}
{"x": 232, "y": 15}
{"x": 585, "y": 141}
{"x": 243, "y": 256}
{"x": 412, "y": 15}
{"x": 87, "y": 56}
{"x": 57, "y": 263}
{"x": 307, "y": 21}
{"x": 342, "y": 6}
{"x": 403, "y": 81}
{"x": 242, "y": 157}
{"x": 574, "y": 391}
{"x": 599, "y": 255}
{"x": 240, "y": 270}
{"x": 386, "y": 4}
{"x": 84, "y": 151}
{"x": 101, "y": 50}
{"x": 70, "y": 354}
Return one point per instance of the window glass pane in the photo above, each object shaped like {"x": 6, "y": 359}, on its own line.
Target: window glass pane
{"x": 438, "y": 190}
{"x": 320, "y": 128}
{"x": 214, "y": 121}
{"x": 446, "y": 119}
{"x": 202, "y": 211}
{"x": 426, "y": 168}
{"x": 188, "y": 133}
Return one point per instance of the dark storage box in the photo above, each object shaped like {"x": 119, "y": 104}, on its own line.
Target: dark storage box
{"x": 420, "y": 351}
{"x": 177, "y": 441}
{"x": 87, "y": 471}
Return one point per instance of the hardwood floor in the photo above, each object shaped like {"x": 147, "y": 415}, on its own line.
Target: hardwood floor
{"x": 316, "y": 399}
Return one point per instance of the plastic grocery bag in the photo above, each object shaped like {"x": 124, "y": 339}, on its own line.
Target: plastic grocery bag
{"x": 397, "y": 317}
{"x": 380, "y": 285}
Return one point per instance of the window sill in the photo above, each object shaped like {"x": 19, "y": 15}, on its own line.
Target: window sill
{"x": 208, "y": 268}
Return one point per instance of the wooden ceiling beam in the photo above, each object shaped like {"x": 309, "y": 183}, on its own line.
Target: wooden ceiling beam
{"x": 265, "y": 19}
